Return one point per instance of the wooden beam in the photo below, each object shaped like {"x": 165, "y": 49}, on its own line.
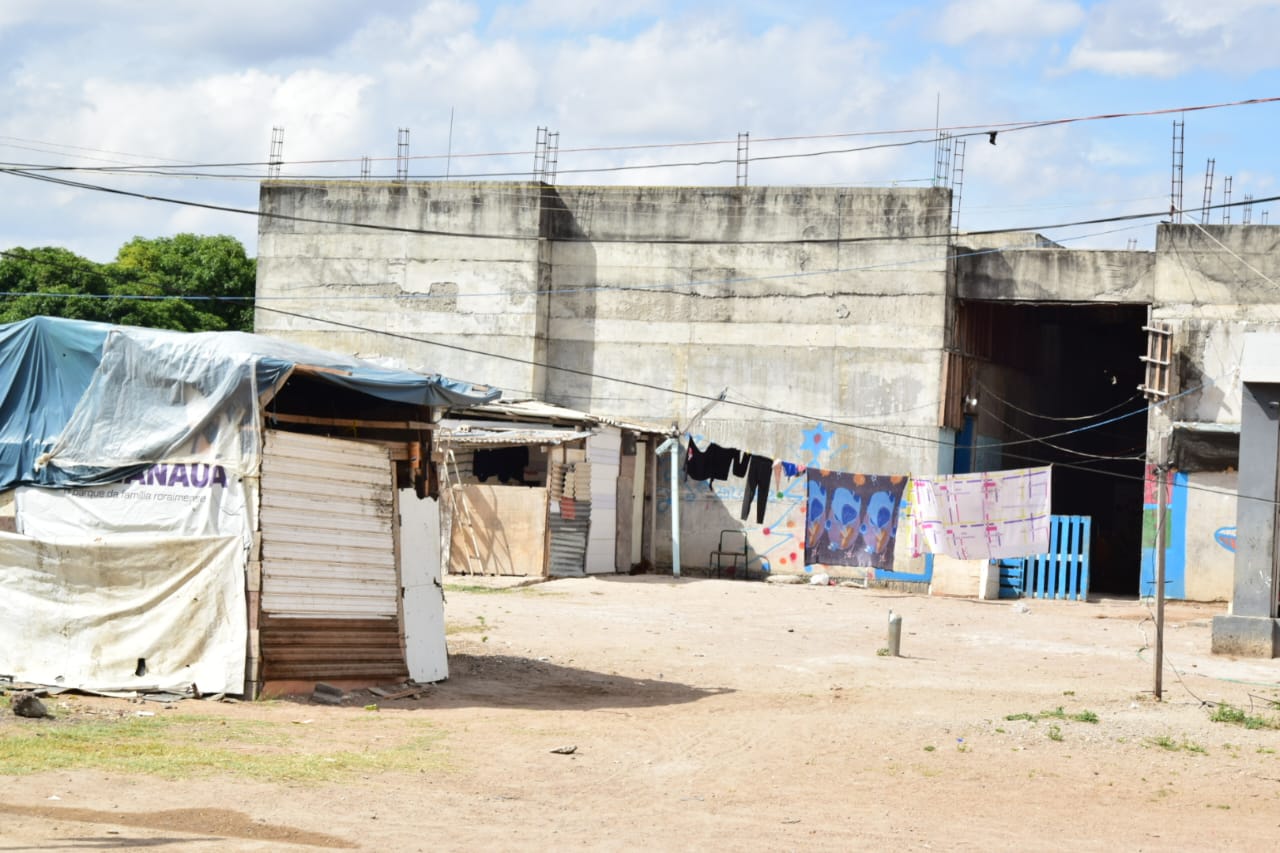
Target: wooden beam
{"x": 360, "y": 423}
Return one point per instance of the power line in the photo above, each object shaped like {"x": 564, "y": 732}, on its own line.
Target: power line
{"x": 799, "y": 415}
{"x": 754, "y": 406}
{"x": 1131, "y": 217}
{"x": 670, "y": 289}
{"x": 983, "y": 128}
{"x": 998, "y": 399}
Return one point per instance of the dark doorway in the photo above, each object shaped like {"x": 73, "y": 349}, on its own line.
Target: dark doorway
{"x": 1057, "y": 384}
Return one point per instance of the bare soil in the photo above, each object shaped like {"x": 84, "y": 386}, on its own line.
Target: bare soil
{"x": 701, "y": 714}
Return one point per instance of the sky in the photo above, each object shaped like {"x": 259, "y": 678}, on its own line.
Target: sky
{"x": 179, "y": 100}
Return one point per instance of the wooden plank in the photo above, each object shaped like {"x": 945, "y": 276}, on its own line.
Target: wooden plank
{"x": 1084, "y": 566}
{"x": 1073, "y": 581}
{"x": 357, "y": 423}
{"x": 509, "y": 528}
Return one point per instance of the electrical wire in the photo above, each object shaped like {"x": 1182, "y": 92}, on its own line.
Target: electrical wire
{"x": 1060, "y": 448}
{"x": 1108, "y": 410}
{"x": 270, "y": 215}
{"x": 962, "y": 130}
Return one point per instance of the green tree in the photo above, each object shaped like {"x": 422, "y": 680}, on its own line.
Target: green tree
{"x": 27, "y": 275}
{"x": 188, "y": 282}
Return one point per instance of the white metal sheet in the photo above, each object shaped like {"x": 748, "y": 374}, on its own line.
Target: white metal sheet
{"x": 603, "y": 451}
{"x": 328, "y": 545}
{"x": 421, "y": 574}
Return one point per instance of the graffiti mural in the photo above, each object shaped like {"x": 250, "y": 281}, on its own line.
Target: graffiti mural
{"x": 851, "y": 519}
{"x": 1226, "y": 537}
{"x": 1173, "y": 537}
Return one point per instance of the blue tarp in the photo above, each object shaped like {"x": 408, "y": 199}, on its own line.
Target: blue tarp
{"x": 89, "y": 403}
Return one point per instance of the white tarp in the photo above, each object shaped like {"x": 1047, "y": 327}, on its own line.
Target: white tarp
{"x": 156, "y": 395}
{"x": 167, "y": 499}
{"x": 129, "y": 611}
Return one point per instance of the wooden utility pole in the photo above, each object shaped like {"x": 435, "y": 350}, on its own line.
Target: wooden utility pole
{"x": 1162, "y": 472}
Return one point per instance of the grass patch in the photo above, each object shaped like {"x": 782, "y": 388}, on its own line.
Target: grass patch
{"x": 1168, "y": 743}
{"x": 480, "y": 627}
{"x": 1055, "y": 733}
{"x": 1057, "y": 713}
{"x": 179, "y": 746}
{"x": 478, "y": 589}
{"x": 1237, "y": 716}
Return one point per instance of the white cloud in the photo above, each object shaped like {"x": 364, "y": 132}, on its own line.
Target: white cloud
{"x": 965, "y": 20}
{"x": 1166, "y": 38}
{"x": 574, "y": 15}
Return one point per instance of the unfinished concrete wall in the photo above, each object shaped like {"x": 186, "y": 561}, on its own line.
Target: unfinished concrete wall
{"x": 816, "y": 305}
{"x": 456, "y": 264}
{"x": 825, "y": 309}
{"x": 1054, "y": 275}
{"x": 1213, "y": 284}
{"x": 1210, "y": 535}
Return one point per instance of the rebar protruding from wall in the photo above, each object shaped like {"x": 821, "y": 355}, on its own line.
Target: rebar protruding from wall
{"x": 402, "y": 154}
{"x": 744, "y": 143}
{"x": 957, "y": 185}
{"x": 276, "y": 157}
{"x": 1208, "y": 192}
{"x": 1175, "y": 180}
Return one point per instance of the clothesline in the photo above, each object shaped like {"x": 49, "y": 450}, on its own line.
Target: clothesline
{"x": 852, "y": 519}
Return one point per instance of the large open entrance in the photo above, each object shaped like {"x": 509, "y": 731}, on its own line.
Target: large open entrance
{"x": 1057, "y": 384}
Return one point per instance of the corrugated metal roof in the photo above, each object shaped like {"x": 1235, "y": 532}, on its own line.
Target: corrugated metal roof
{"x": 538, "y": 411}
{"x": 473, "y": 437}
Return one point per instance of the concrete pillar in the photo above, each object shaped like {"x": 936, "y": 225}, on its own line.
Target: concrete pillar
{"x": 1251, "y": 627}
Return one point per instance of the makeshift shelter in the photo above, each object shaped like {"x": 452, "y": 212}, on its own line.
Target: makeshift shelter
{"x": 213, "y": 509}
{"x": 541, "y": 490}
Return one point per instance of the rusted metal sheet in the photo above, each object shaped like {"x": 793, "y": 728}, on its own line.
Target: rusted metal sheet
{"x": 331, "y": 649}
{"x": 330, "y": 580}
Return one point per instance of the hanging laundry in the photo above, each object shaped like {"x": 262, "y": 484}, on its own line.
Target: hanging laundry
{"x": 851, "y": 519}
{"x": 759, "y": 471}
{"x": 695, "y": 462}
{"x": 983, "y": 516}
{"x": 791, "y": 469}
{"x": 721, "y": 460}
{"x": 714, "y": 463}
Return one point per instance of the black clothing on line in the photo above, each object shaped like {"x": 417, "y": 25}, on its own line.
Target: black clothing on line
{"x": 759, "y": 474}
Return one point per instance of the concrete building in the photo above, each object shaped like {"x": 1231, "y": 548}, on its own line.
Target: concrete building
{"x": 827, "y": 303}
{"x": 851, "y": 330}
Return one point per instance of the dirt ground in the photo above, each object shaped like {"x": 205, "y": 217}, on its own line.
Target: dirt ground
{"x": 700, "y": 714}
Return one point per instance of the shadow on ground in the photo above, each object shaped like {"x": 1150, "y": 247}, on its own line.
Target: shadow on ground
{"x": 511, "y": 681}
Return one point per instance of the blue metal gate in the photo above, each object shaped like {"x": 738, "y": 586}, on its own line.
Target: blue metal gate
{"x": 1061, "y": 573}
